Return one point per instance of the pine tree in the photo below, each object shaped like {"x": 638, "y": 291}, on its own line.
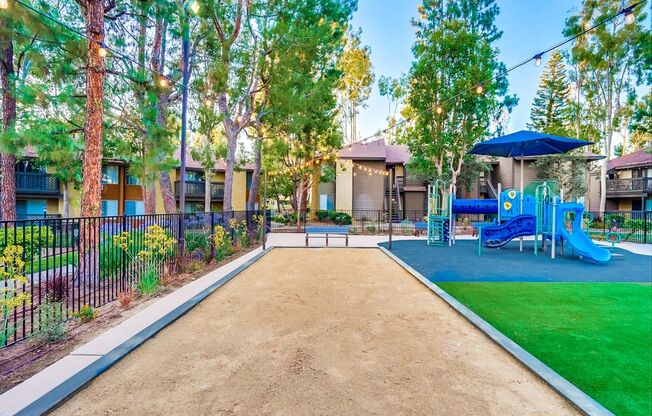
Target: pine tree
{"x": 550, "y": 109}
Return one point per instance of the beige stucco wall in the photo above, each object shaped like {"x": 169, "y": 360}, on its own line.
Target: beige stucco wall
{"x": 74, "y": 200}
{"x": 239, "y": 199}
{"x": 625, "y": 205}
{"x": 369, "y": 187}
{"x": 344, "y": 185}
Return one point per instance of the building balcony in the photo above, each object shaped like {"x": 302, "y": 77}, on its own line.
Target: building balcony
{"x": 633, "y": 186}
{"x": 196, "y": 190}
{"x": 36, "y": 184}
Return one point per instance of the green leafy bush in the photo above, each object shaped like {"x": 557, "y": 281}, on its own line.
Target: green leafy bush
{"x": 52, "y": 318}
{"x": 86, "y": 314}
{"x": 32, "y": 239}
{"x": 149, "y": 282}
{"x": 342, "y": 218}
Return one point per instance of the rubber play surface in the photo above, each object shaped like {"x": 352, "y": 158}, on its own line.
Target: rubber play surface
{"x": 461, "y": 263}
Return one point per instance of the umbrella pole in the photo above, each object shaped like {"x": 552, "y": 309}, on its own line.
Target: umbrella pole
{"x": 521, "y": 212}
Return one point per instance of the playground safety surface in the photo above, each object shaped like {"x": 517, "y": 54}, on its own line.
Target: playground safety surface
{"x": 461, "y": 263}
{"x": 319, "y": 331}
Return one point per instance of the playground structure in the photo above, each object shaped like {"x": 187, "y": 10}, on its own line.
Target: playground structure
{"x": 539, "y": 211}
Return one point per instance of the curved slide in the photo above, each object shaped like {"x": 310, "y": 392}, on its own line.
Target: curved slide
{"x": 494, "y": 236}
{"x": 579, "y": 241}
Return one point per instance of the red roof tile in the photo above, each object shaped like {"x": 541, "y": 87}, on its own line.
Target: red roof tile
{"x": 641, "y": 157}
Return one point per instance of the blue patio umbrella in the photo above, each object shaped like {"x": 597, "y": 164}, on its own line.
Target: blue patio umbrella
{"x": 526, "y": 143}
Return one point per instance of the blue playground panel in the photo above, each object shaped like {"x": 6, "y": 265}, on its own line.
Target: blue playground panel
{"x": 461, "y": 263}
{"x": 475, "y": 206}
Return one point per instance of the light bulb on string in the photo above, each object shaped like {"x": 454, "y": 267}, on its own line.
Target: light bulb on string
{"x": 102, "y": 50}
{"x": 439, "y": 109}
{"x": 4, "y": 4}
{"x": 629, "y": 15}
{"x": 479, "y": 89}
{"x": 194, "y": 6}
{"x": 537, "y": 60}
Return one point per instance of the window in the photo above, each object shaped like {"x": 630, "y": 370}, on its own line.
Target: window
{"x": 31, "y": 207}
{"x": 134, "y": 207}
{"x": 109, "y": 208}
{"x": 132, "y": 180}
{"x": 28, "y": 166}
{"x": 192, "y": 207}
{"x": 110, "y": 174}
{"x": 194, "y": 176}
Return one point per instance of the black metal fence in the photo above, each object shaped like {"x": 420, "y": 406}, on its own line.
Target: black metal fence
{"x": 632, "y": 226}
{"x": 90, "y": 261}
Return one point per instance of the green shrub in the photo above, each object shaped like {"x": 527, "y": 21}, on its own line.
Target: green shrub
{"x": 323, "y": 214}
{"x": 52, "y": 318}
{"x": 85, "y": 314}
{"x": 32, "y": 239}
{"x": 197, "y": 241}
{"x": 148, "y": 283}
{"x": 615, "y": 220}
{"x": 342, "y": 218}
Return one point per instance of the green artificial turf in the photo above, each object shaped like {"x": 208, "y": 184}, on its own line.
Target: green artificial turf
{"x": 596, "y": 335}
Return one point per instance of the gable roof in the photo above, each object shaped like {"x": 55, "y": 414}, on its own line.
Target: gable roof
{"x": 641, "y": 157}
{"x": 376, "y": 150}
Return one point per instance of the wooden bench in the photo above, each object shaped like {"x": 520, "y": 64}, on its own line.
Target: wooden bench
{"x": 332, "y": 232}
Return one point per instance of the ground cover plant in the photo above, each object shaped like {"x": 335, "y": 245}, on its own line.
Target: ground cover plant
{"x": 596, "y": 335}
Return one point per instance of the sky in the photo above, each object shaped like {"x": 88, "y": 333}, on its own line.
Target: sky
{"x": 528, "y": 26}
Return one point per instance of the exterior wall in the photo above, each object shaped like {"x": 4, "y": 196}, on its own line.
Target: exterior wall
{"x": 624, "y": 204}
{"x": 415, "y": 201}
{"x": 327, "y": 189}
{"x": 74, "y": 198}
{"x": 344, "y": 185}
{"x": 624, "y": 174}
{"x": 239, "y": 197}
{"x": 369, "y": 190}
{"x": 53, "y": 206}
{"x": 592, "y": 202}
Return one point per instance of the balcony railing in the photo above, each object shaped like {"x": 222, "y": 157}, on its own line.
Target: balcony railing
{"x": 634, "y": 185}
{"x": 36, "y": 183}
{"x": 196, "y": 189}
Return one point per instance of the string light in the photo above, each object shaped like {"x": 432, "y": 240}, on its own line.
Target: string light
{"x": 629, "y": 14}
{"x": 4, "y": 4}
{"x": 194, "y": 6}
{"x": 439, "y": 109}
{"x": 208, "y": 102}
{"x": 537, "y": 59}
{"x": 479, "y": 89}
{"x": 102, "y": 51}
{"x": 163, "y": 82}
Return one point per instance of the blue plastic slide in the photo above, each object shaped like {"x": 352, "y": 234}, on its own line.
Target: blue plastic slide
{"x": 579, "y": 241}
{"x": 494, "y": 236}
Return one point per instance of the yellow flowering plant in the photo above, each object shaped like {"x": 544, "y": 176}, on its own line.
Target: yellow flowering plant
{"x": 12, "y": 276}
{"x": 221, "y": 242}
{"x": 156, "y": 247}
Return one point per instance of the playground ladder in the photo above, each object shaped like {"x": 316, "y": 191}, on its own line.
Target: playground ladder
{"x": 436, "y": 230}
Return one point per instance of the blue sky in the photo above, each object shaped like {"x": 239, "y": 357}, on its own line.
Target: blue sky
{"x": 528, "y": 26}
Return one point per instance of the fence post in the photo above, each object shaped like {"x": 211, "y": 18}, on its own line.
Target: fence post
{"x": 123, "y": 260}
{"x": 645, "y": 227}
{"x": 210, "y": 233}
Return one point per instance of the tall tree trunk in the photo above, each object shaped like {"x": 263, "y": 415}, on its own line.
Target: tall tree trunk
{"x": 255, "y": 177}
{"x": 231, "y": 137}
{"x": 8, "y": 161}
{"x": 314, "y": 196}
{"x": 608, "y": 135}
{"x": 92, "y": 167}
{"x": 207, "y": 190}
{"x": 149, "y": 198}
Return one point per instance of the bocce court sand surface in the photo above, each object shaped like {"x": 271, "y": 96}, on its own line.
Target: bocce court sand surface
{"x": 319, "y": 332}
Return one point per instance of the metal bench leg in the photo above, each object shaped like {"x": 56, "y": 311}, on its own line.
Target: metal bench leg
{"x": 326, "y": 239}
{"x": 347, "y": 240}
{"x": 306, "y": 240}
